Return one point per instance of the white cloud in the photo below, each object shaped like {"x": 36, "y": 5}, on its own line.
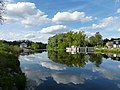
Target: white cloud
{"x": 71, "y": 17}
{"x": 66, "y": 78}
{"x": 90, "y": 33}
{"x": 118, "y": 66}
{"x": 29, "y": 36}
{"x": 10, "y": 36}
{"x": 52, "y": 65}
{"x": 117, "y": 1}
{"x": 32, "y": 36}
{"x": 26, "y": 13}
{"x": 9, "y": 1}
{"x": 105, "y": 22}
{"x": 118, "y": 11}
{"x": 34, "y": 58}
{"x": 119, "y": 29}
{"x": 106, "y": 73}
{"x": 54, "y": 29}
{"x": 36, "y": 76}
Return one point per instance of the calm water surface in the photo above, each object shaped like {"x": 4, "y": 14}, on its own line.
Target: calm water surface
{"x": 64, "y": 71}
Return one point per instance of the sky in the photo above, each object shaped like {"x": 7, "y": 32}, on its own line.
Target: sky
{"x": 37, "y": 20}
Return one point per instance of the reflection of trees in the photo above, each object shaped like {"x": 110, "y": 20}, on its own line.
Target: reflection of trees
{"x": 77, "y": 60}
{"x": 112, "y": 56}
{"x": 96, "y": 58}
{"x": 32, "y": 52}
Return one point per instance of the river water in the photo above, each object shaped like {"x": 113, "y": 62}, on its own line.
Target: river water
{"x": 66, "y": 71}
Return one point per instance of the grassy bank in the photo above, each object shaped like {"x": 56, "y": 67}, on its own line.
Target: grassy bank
{"x": 11, "y": 76}
{"x": 107, "y": 50}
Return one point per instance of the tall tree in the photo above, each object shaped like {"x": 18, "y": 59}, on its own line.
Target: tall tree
{"x": 69, "y": 38}
{"x": 34, "y": 46}
{"x": 96, "y": 40}
{"x": 92, "y": 41}
{"x": 99, "y": 40}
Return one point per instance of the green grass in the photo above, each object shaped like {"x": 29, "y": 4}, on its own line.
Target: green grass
{"x": 107, "y": 50}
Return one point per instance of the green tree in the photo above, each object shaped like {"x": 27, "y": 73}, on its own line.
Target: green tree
{"x": 99, "y": 40}
{"x": 92, "y": 40}
{"x": 61, "y": 41}
{"x": 34, "y": 46}
{"x": 96, "y": 40}
{"x": 69, "y": 38}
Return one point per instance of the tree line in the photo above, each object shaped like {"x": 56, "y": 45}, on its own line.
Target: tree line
{"x": 80, "y": 39}
{"x": 13, "y": 47}
{"x": 31, "y": 44}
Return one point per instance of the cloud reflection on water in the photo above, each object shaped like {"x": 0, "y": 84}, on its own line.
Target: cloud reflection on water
{"x": 61, "y": 74}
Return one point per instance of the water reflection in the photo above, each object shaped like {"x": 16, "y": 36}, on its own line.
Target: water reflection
{"x": 75, "y": 60}
{"x": 32, "y": 52}
{"x": 59, "y": 70}
{"x": 112, "y": 56}
{"x": 52, "y": 65}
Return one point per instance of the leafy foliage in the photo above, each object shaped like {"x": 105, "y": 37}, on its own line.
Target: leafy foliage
{"x": 61, "y": 41}
{"x": 96, "y": 40}
{"x": 11, "y": 76}
{"x": 33, "y": 45}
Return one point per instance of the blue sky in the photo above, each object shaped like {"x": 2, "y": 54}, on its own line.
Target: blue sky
{"x": 37, "y": 20}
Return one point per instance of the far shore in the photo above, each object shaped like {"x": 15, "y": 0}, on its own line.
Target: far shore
{"x": 107, "y": 50}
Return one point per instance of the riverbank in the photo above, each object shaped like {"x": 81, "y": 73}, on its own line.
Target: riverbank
{"x": 107, "y": 50}
{"x": 11, "y": 76}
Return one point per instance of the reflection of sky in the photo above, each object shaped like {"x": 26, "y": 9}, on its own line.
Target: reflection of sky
{"x": 66, "y": 78}
{"x": 52, "y": 65}
{"x": 39, "y": 68}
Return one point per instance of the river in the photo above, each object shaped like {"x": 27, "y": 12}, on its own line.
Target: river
{"x": 65, "y": 71}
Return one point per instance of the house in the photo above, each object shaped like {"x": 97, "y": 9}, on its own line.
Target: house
{"x": 113, "y": 43}
{"x": 71, "y": 49}
{"x": 116, "y": 43}
{"x": 23, "y": 45}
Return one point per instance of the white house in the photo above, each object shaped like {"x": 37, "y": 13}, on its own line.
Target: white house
{"x": 114, "y": 42}
{"x": 23, "y": 45}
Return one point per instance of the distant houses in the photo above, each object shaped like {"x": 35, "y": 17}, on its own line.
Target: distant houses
{"x": 113, "y": 43}
{"x": 25, "y": 47}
